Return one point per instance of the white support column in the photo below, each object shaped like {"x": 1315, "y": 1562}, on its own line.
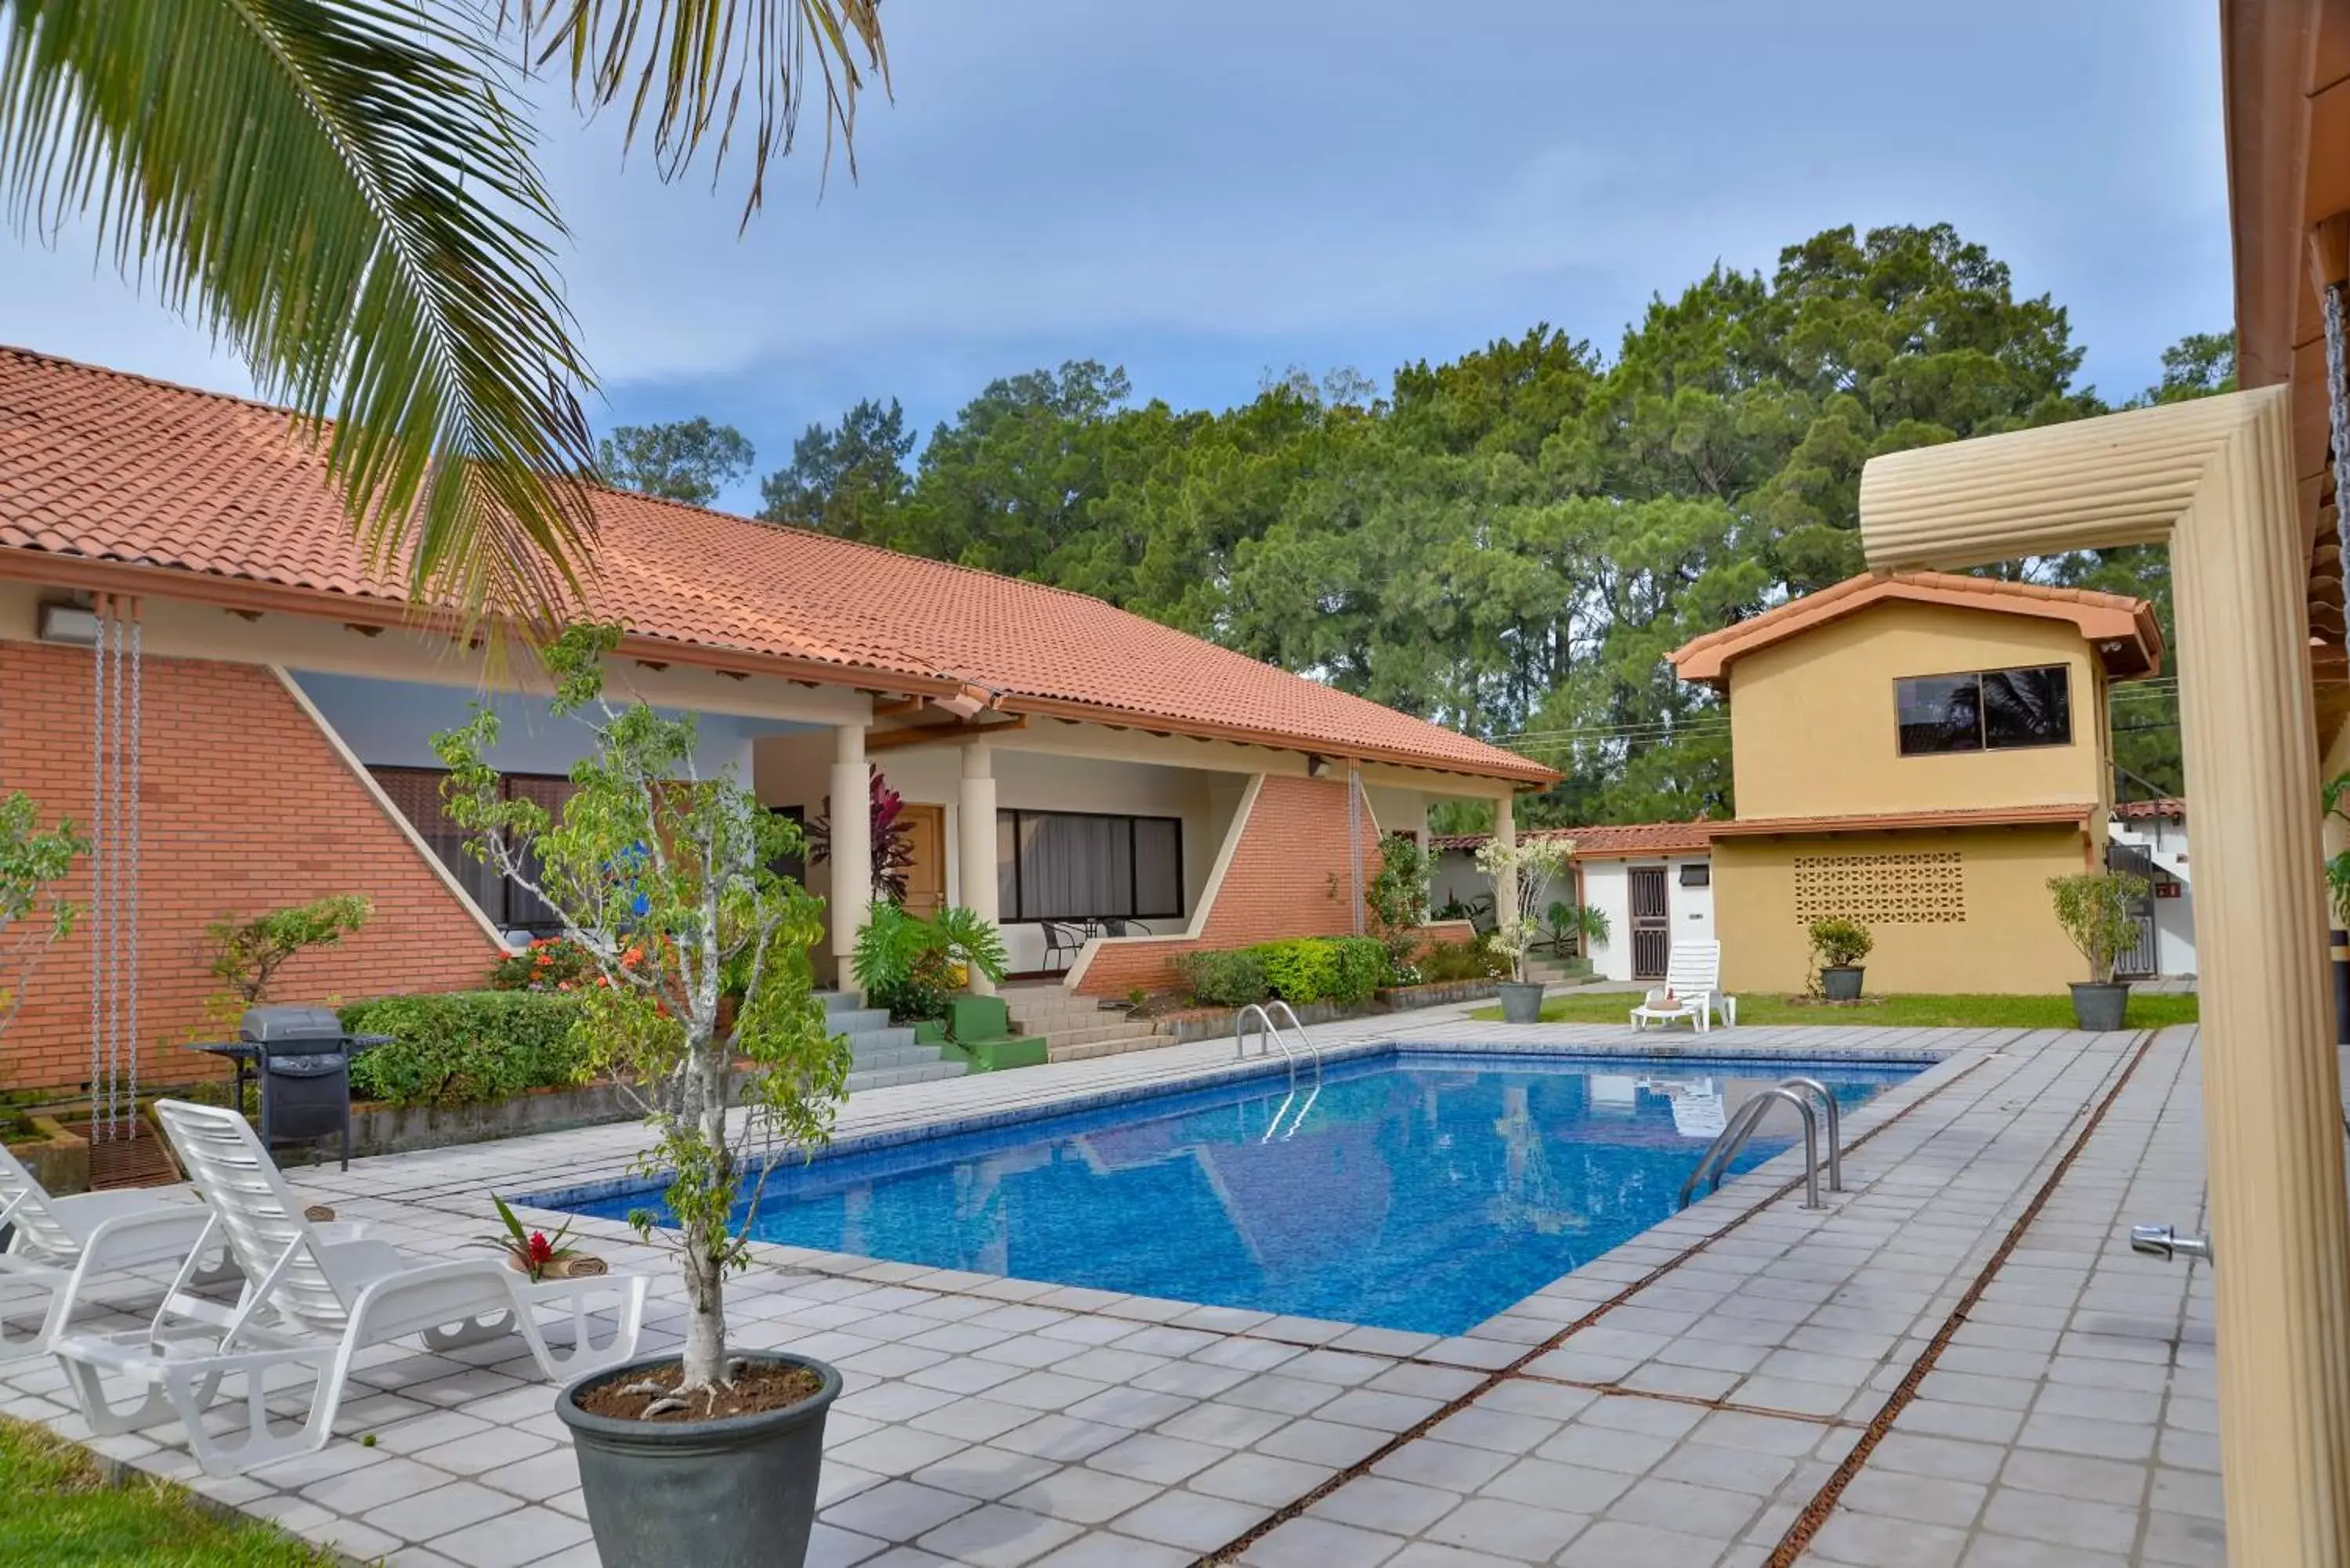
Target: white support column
{"x": 852, "y": 841}
{"x": 1505, "y": 886}
{"x": 975, "y": 830}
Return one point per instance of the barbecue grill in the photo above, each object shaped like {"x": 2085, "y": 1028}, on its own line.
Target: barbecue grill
{"x": 302, "y": 1058}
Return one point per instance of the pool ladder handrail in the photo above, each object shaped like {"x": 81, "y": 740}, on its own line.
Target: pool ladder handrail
{"x": 1267, "y": 1031}
{"x": 1798, "y": 1093}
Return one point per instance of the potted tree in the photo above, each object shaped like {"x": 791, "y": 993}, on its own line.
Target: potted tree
{"x": 1574, "y": 930}
{"x": 2097, "y": 910}
{"x": 1838, "y": 946}
{"x": 1522, "y": 874}
{"x": 667, "y": 880}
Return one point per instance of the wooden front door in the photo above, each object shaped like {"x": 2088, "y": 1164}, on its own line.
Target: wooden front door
{"x": 926, "y": 876}
{"x": 1652, "y": 931}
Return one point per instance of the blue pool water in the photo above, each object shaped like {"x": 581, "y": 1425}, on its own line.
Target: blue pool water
{"x": 1423, "y": 1191}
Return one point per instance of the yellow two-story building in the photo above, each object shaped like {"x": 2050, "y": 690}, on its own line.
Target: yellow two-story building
{"x": 1920, "y": 752}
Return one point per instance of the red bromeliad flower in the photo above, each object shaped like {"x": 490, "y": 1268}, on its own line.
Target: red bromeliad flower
{"x": 540, "y": 1250}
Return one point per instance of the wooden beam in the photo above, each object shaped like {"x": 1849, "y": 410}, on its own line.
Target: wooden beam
{"x": 904, "y": 705}
{"x": 941, "y": 735}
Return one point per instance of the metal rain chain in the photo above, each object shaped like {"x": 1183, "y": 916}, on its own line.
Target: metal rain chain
{"x": 1355, "y": 840}
{"x": 2337, "y": 401}
{"x": 117, "y": 689}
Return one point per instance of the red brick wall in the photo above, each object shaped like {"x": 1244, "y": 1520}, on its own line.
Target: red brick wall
{"x": 248, "y": 807}
{"x": 1277, "y": 886}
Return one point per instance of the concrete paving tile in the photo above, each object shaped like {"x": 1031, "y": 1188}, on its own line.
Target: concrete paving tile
{"x": 1083, "y": 1496}
{"x": 1191, "y": 1522}
{"x": 1515, "y": 1530}
{"x": 1377, "y": 1502}
{"x": 1613, "y": 1543}
{"x": 994, "y": 1536}
{"x": 1308, "y": 1543}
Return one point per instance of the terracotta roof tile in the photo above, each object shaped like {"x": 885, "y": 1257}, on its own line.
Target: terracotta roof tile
{"x": 106, "y": 466}
{"x": 2167, "y": 806}
{"x": 2048, "y": 812}
{"x": 2123, "y": 629}
{"x": 1609, "y": 841}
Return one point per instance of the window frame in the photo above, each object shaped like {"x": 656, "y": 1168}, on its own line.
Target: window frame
{"x": 501, "y": 917}
{"x": 1983, "y": 746}
{"x": 1017, "y": 915}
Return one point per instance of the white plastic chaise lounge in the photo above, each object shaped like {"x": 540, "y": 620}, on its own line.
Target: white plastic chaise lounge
{"x": 311, "y": 1304}
{"x": 59, "y": 1245}
{"x": 1693, "y": 980}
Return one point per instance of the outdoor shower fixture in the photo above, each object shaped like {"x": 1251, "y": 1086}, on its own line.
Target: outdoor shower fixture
{"x": 2162, "y": 1241}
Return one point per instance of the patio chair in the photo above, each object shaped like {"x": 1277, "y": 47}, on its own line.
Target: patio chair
{"x": 1065, "y": 940}
{"x": 57, "y": 1245}
{"x": 1113, "y": 927}
{"x": 311, "y": 1304}
{"x": 1693, "y": 980}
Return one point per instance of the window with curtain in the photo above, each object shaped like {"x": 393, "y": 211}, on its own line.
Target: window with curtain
{"x": 509, "y": 906}
{"x": 1079, "y": 865}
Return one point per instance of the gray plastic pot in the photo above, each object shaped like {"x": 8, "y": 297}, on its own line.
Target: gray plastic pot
{"x": 1521, "y": 1002}
{"x": 1841, "y": 982}
{"x": 2100, "y": 1006}
{"x": 738, "y": 1492}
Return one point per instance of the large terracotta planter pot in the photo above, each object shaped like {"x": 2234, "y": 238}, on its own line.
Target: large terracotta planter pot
{"x": 1841, "y": 982}
{"x": 1521, "y": 1002}
{"x": 732, "y": 1493}
{"x": 2100, "y": 1006}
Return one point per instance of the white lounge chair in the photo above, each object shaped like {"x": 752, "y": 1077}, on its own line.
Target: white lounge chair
{"x": 56, "y": 1246}
{"x": 1694, "y": 978}
{"x": 310, "y": 1305}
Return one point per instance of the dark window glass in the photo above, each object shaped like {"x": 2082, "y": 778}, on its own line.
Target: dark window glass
{"x": 2027, "y": 707}
{"x": 1075, "y": 866}
{"x": 509, "y": 906}
{"x": 1697, "y": 874}
{"x": 1940, "y": 713}
{"x": 1995, "y": 708}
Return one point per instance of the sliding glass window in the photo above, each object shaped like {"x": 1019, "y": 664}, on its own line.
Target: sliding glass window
{"x": 1080, "y": 865}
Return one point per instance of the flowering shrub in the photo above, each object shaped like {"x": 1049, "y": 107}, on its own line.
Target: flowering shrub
{"x": 550, "y": 963}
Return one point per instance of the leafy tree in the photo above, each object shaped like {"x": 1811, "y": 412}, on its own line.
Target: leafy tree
{"x": 684, "y": 460}
{"x": 35, "y": 913}
{"x": 667, "y": 880}
{"x": 846, "y": 480}
{"x": 247, "y": 954}
{"x": 343, "y": 192}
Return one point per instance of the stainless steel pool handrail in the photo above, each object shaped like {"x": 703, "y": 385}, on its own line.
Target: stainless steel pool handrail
{"x": 1715, "y": 1161}
{"x": 1836, "y": 1125}
{"x": 1266, "y": 1033}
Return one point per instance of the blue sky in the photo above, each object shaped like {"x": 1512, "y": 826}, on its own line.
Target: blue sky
{"x": 1209, "y": 191}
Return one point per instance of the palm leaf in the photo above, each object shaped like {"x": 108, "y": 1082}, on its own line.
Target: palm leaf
{"x": 341, "y": 189}
{"x": 692, "y": 64}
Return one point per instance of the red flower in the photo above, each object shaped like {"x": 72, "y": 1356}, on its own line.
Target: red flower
{"x": 541, "y": 1250}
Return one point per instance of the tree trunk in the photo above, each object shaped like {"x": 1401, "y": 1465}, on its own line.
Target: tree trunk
{"x": 706, "y": 1318}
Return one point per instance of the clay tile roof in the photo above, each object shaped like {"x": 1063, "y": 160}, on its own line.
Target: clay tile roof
{"x": 109, "y": 467}
{"x": 2046, "y": 813}
{"x": 1610, "y": 841}
{"x": 2123, "y": 630}
{"x": 2168, "y": 806}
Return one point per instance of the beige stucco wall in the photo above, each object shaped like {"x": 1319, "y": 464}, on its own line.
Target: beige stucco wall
{"x": 2008, "y": 943}
{"x": 1814, "y": 723}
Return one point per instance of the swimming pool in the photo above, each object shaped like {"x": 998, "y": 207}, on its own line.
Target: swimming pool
{"x": 1421, "y": 1191}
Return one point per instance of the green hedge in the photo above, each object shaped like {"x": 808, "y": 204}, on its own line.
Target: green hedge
{"x": 466, "y": 1047}
{"x": 1343, "y": 970}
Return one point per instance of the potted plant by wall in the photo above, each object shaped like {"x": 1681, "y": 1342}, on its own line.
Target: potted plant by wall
{"x": 2097, "y": 910}
{"x": 1574, "y": 930}
{"x": 667, "y": 880}
{"x": 1838, "y": 946}
{"x": 1521, "y": 874}
{"x": 913, "y": 965}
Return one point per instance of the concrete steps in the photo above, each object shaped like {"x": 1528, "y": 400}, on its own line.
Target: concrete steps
{"x": 881, "y": 1055}
{"x": 1077, "y": 1027}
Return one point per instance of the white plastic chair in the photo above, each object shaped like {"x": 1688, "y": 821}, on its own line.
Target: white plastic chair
{"x": 56, "y": 1246}
{"x": 310, "y": 1305}
{"x": 1693, "y": 976}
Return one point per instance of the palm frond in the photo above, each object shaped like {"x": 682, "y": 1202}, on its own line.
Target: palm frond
{"x": 341, "y": 189}
{"x": 690, "y": 64}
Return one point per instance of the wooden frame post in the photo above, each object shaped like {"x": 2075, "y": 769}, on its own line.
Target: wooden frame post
{"x": 2213, "y": 479}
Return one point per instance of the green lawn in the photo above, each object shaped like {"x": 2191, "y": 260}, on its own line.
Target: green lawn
{"x": 59, "y": 1508}
{"x": 1908, "y": 1011}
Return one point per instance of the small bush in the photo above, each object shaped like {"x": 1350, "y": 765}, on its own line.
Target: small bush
{"x": 1358, "y": 964}
{"x": 1224, "y": 979}
{"x": 550, "y": 963}
{"x": 467, "y": 1047}
{"x": 1444, "y": 963}
{"x": 1299, "y": 971}
{"x": 1840, "y": 943}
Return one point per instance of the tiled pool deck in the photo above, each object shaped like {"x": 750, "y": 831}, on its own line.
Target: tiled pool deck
{"x": 1957, "y": 1363}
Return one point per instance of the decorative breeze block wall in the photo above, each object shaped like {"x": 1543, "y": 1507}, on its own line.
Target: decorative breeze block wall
{"x": 1921, "y": 888}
